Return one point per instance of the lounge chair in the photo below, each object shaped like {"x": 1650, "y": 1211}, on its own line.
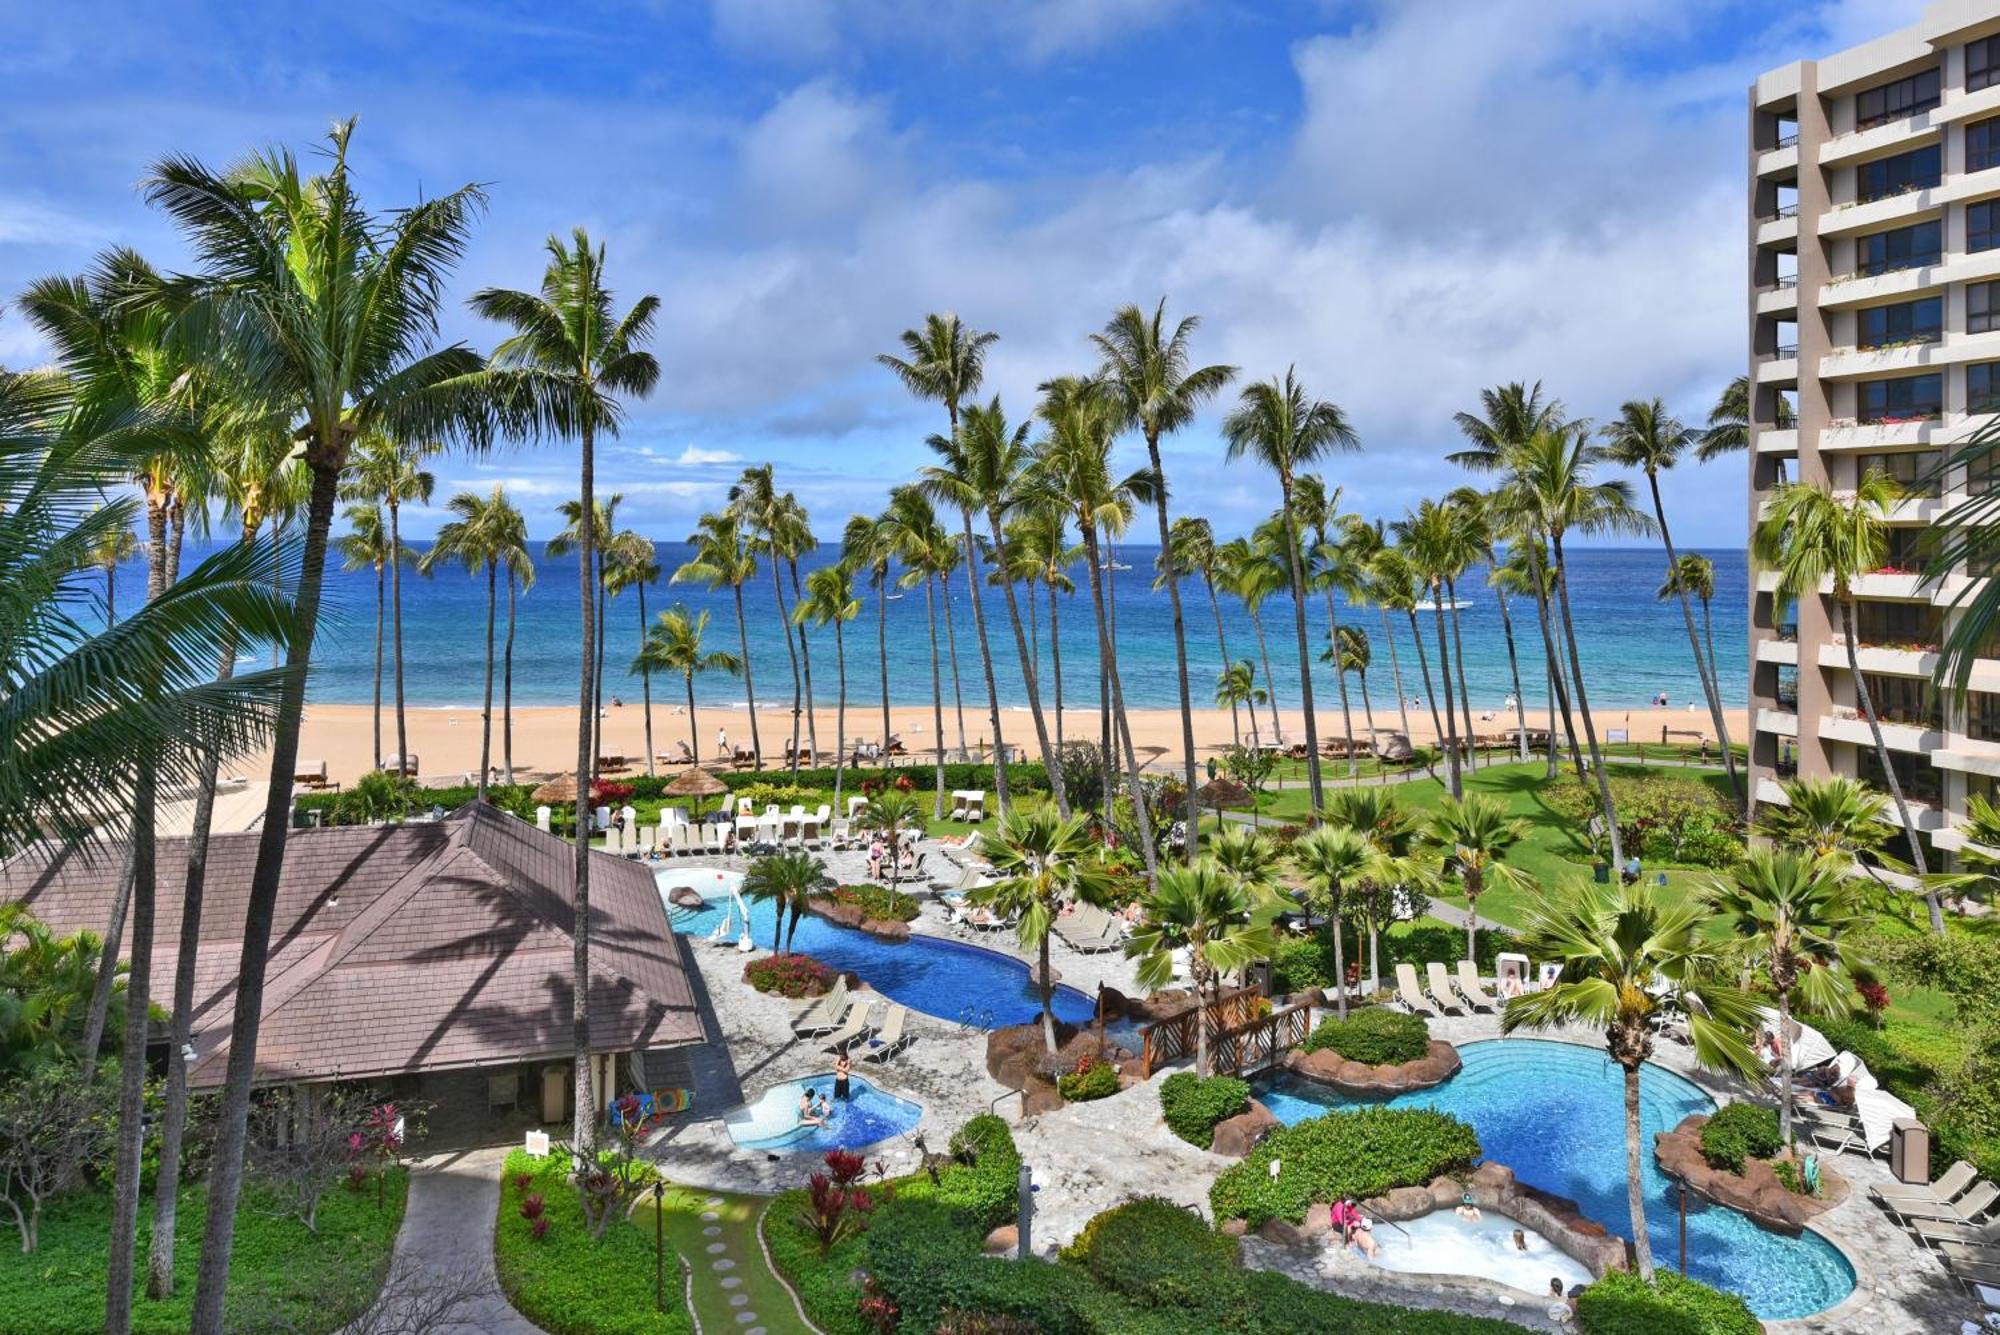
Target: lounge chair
{"x": 1955, "y": 1182}
{"x": 821, "y": 1014}
{"x": 1835, "y": 1130}
{"x": 1969, "y": 1253}
{"x": 852, "y": 1027}
{"x": 890, "y": 1037}
{"x": 957, "y": 811}
{"x": 1974, "y": 1207}
{"x": 1472, "y": 989}
{"x": 1089, "y": 930}
{"x": 1984, "y": 1235}
{"x": 1441, "y": 990}
{"x": 1411, "y": 995}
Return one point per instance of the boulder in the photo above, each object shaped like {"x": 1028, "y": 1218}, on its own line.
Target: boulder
{"x": 1402, "y": 1203}
{"x": 685, "y": 897}
{"x": 1319, "y": 1218}
{"x": 1236, "y": 1136}
{"x": 888, "y": 929}
{"x": 1283, "y": 1232}
{"x": 1116, "y": 1004}
{"x": 1235, "y": 1228}
{"x": 845, "y": 915}
{"x": 1326, "y": 1067}
{"x": 1003, "y": 1241}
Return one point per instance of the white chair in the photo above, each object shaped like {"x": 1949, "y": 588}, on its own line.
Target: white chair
{"x": 957, "y": 811}
{"x": 542, "y": 819}
{"x": 601, "y": 817}
{"x": 647, "y": 839}
{"x": 854, "y": 805}
{"x": 809, "y": 833}
{"x": 718, "y": 838}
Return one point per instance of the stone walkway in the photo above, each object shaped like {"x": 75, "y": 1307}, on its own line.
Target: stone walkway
{"x": 447, "y": 1238}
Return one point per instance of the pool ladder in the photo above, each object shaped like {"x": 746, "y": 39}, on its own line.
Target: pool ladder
{"x": 971, "y": 1018}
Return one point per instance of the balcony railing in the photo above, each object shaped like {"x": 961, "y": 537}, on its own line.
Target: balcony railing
{"x": 1933, "y": 722}
{"x": 1900, "y": 114}
{"x": 1877, "y": 268}
{"x": 1788, "y": 138}
{"x": 1788, "y": 634}
{"x": 1785, "y": 352}
{"x": 1899, "y": 417}
{"x": 1788, "y": 701}
{"x": 1790, "y": 210}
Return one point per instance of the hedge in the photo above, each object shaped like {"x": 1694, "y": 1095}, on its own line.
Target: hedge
{"x": 1096, "y": 1080}
{"x": 1193, "y": 1105}
{"x": 1361, "y": 1153}
{"x": 1373, "y": 1036}
{"x": 983, "y": 1181}
{"x": 1740, "y": 1131}
{"x": 568, "y": 1282}
{"x": 1623, "y": 1304}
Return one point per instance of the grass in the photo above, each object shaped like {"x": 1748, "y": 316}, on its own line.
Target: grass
{"x": 736, "y": 1221}
{"x": 568, "y": 1282}
{"x": 280, "y": 1275}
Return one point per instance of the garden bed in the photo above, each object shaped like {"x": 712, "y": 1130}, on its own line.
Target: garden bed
{"x": 1375, "y": 1051}
{"x": 1755, "y": 1188}
{"x": 566, "y": 1281}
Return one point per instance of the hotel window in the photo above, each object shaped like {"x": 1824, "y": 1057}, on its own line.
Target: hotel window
{"x": 1982, "y": 475}
{"x": 1982, "y": 145}
{"x": 1918, "y": 169}
{"x": 1911, "y": 398}
{"x": 1917, "y": 777}
{"x": 1898, "y": 625}
{"x": 1903, "y": 248}
{"x": 1982, "y": 307}
{"x": 1906, "y": 322}
{"x": 1982, "y": 63}
{"x": 1895, "y": 101}
{"x": 1982, "y": 387}
{"x": 1908, "y": 549}
{"x": 1982, "y": 716}
{"x": 1982, "y": 225}
{"x": 1916, "y": 472}
{"x": 1905, "y": 700}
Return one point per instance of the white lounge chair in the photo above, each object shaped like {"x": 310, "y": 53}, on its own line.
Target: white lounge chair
{"x": 890, "y": 1037}
{"x": 1441, "y": 989}
{"x": 1971, "y": 1209}
{"x": 822, "y": 1014}
{"x": 1472, "y": 989}
{"x": 1410, "y": 994}
{"x": 854, "y": 1026}
{"x": 1954, "y": 1183}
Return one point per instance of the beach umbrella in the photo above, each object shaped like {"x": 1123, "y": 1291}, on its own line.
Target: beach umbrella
{"x": 560, "y": 790}
{"x": 1223, "y": 793}
{"x": 697, "y": 784}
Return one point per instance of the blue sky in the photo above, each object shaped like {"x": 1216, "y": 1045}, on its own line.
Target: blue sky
{"x": 1407, "y": 200}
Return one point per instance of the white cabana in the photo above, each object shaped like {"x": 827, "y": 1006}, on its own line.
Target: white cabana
{"x": 1807, "y": 1047}
{"x": 1879, "y": 1111}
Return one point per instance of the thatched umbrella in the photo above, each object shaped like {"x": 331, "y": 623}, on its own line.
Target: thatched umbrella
{"x": 1224, "y": 793}
{"x": 697, "y": 783}
{"x": 559, "y": 791}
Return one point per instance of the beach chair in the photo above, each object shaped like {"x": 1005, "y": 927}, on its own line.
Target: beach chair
{"x": 309, "y": 773}
{"x": 1472, "y": 989}
{"x": 1440, "y": 989}
{"x": 890, "y": 1038}
{"x": 1984, "y": 1234}
{"x": 1969, "y": 1209}
{"x": 821, "y": 1014}
{"x": 957, "y": 811}
{"x": 854, "y": 1026}
{"x": 975, "y": 807}
{"x": 1954, "y": 1183}
{"x": 1835, "y": 1130}
{"x": 1410, "y": 994}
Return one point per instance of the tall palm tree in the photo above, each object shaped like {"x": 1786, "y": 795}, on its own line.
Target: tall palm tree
{"x": 631, "y": 562}
{"x": 580, "y": 359}
{"x": 1148, "y": 372}
{"x": 1335, "y": 861}
{"x": 1693, "y": 575}
{"x": 1788, "y": 912}
{"x": 866, "y": 543}
{"x": 1041, "y": 535}
{"x": 1646, "y": 437}
{"x": 980, "y": 469}
{"x": 722, "y": 560}
{"x": 757, "y": 503}
{"x": 1552, "y": 487}
{"x": 1402, "y": 871}
{"x": 1285, "y": 430}
{"x": 1393, "y": 584}
{"x": 1191, "y": 550}
{"x": 592, "y": 543}
{"x": 1347, "y": 652}
{"x": 391, "y": 471}
{"x": 1433, "y": 542}
{"x": 1328, "y": 569}
{"x": 1526, "y": 572}
{"x": 117, "y": 548}
{"x": 830, "y": 601}
{"x": 1043, "y": 859}
{"x": 365, "y": 546}
{"x": 1476, "y": 835}
{"x": 673, "y": 643}
{"x": 331, "y": 312}
{"x": 910, "y": 528}
{"x": 946, "y": 559}
{"x": 1485, "y": 518}
{"x": 1626, "y": 955}
{"x": 512, "y": 539}
{"x": 1252, "y": 569}
{"x": 475, "y": 538}
{"x": 1236, "y": 686}
{"x": 1729, "y": 421}
{"x": 1207, "y": 912}
{"x": 1363, "y": 543}
{"x": 1811, "y": 537}
{"x": 792, "y": 537}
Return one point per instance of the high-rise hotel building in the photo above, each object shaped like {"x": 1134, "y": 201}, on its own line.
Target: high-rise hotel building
{"x": 1874, "y": 299}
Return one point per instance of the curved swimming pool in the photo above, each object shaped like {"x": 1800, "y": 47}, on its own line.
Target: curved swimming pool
{"x": 868, "y": 1117}
{"x": 1555, "y": 1113}
{"x": 951, "y": 980}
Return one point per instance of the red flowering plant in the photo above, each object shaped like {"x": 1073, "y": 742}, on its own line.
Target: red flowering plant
{"x": 837, "y": 1205}
{"x": 903, "y": 783}
{"x": 603, "y": 791}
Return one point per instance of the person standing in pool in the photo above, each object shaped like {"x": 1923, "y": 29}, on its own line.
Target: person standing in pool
{"x": 842, "y": 1067}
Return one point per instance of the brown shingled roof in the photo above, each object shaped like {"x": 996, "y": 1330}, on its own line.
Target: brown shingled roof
{"x": 400, "y": 948}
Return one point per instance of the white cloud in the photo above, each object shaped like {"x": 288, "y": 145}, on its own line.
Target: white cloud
{"x": 1030, "y": 32}
{"x": 694, "y": 456}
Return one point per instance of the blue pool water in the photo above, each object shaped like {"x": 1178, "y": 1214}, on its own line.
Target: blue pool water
{"x": 947, "y": 979}
{"x": 869, "y": 1117}
{"x": 1555, "y": 1114}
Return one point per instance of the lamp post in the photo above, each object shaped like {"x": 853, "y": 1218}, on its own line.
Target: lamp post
{"x": 1684, "y": 1228}
{"x": 659, "y": 1246}
{"x": 1024, "y": 1207}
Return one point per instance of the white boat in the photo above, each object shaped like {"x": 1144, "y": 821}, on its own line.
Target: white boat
{"x": 1449, "y": 607}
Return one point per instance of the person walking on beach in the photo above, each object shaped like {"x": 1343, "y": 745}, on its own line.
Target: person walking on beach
{"x": 722, "y": 742}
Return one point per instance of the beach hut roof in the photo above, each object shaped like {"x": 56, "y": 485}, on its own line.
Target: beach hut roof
{"x": 1224, "y": 792}
{"x": 562, "y": 788}
{"x": 696, "y": 783}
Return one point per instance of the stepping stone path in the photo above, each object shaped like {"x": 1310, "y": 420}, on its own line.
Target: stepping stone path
{"x": 736, "y": 1278}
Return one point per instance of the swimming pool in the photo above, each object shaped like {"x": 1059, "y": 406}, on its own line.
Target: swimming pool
{"x": 951, "y": 980}
{"x": 1441, "y": 1243}
{"x": 1554, "y": 1113}
{"x": 868, "y": 1117}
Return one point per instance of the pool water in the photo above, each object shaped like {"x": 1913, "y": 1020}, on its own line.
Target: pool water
{"x": 1441, "y": 1243}
{"x": 951, "y": 980}
{"x": 868, "y": 1117}
{"x": 1555, "y": 1114}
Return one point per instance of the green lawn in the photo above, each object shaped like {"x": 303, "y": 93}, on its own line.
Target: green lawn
{"x": 568, "y": 1282}
{"x": 280, "y": 1275}
{"x": 735, "y": 1226}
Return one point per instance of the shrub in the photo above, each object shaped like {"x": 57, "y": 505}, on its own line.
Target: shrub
{"x": 563, "y": 1279}
{"x": 983, "y": 1176}
{"x": 1193, "y": 1106}
{"x": 1623, "y": 1304}
{"x": 1374, "y": 1036}
{"x": 877, "y": 901}
{"x": 784, "y": 794}
{"x": 1153, "y": 1251}
{"x": 1091, "y": 1080}
{"x": 792, "y": 976}
{"x": 1740, "y": 1131}
{"x": 837, "y": 1205}
{"x": 1666, "y": 817}
{"x": 1359, "y": 1153}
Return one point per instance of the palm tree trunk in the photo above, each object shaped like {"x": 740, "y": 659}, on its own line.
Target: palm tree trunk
{"x": 1270, "y": 682}
{"x": 1313, "y": 787}
{"x": 123, "y": 1263}
{"x": 1709, "y": 688}
{"x": 986, "y": 661}
{"x": 1200, "y": 1014}
{"x": 1046, "y": 986}
{"x": 937, "y": 699}
{"x": 1635, "y": 1194}
{"x": 1367, "y": 706}
{"x": 792, "y": 648}
{"x": 1222, "y": 646}
{"x": 1396, "y": 671}
{"x": 111, "y": 593}
{"x": 1339, "y": 960}
{"x": 951, "y": 656}
{"x": 1513, "y": 671}
{"x": 1474, "y": 887}
{"x": 749, "y": 686}
{"x": 225, "y": 1177}
{"x": 1785, "y": 1070}
{"x": 1559, "y": 691}
{"x": 1166, "y": 568}
{"x": 174, "y": 542}
{"x": 583, "y": 1129}
{"x": 1450, "y": 738}
{"x": 486, "y": 708}
{"x": 1055, "y": 662}
{"x": 507, "y": 688}
{"x": 1346, "y": 711}
{"x": 806, "y": 660}
{"x": 1107, "y": 652}
{"x": 1708, "y": 634}
{"x": 1931, "y": 903}
{"x": 1464, "y": 691}
{"x": 839, "y": 710}
{"x": 1430, "y": 693}
{"x": 396, "y": 615}
{"x": 882, "y": 651}
{"x": 646, "y": 681}
{"x": 1030, "y": 672}
{"x": 597, "y": 676}
{"x": 694, "y": 731}
{"x": 1589, "y": 725}
{"x": 381, "y": 612}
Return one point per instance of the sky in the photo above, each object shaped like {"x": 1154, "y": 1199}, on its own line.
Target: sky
{"x": 1407, "y": 201}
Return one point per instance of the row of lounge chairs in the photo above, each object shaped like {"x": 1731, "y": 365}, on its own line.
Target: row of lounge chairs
{"x": 1089, "y": 930}
{"x": 1958, "y": 1216}
{"x": 1447, "y": 995}
{"x": 839, "y": 1021}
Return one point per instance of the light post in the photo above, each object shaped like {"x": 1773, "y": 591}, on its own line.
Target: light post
{"x": 1684, "y": 1228}
{"x": 659, "y": 1245}
{"x": 1024, "y": 1213}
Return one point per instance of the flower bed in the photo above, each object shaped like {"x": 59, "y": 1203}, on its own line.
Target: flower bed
{"x": 794, "y": 976}
{"x": 561, "y": 1278}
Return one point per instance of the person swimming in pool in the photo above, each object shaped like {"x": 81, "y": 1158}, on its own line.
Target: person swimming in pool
{"x": 1467, "y": 1210}
{"x": 842, "y": 1068}
{"x": 809, "y": 1113}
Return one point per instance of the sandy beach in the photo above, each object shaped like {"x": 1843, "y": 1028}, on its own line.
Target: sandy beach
{"x": 446, "y": 741}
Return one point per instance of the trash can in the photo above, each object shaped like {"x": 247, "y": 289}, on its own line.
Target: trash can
{"x": 1910, "y": 1151}
{"x": 1602, "y": 872}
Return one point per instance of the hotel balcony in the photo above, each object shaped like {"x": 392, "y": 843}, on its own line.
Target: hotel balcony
{"x": 1779, "y": 721}
{"x": 1770, "y": 790}
{"x": 1777, "y": 441}
{"x": 1785, "y": 652}
{"x": 1905, "y": 132}
{"x": 1867, "y": 288}
{"x": 1968, "y": 755}
{"x": 1846, "y": 725}
{"x": 1781, "y": 230}
{"x": 1945, "y": 350}
{"x": 1782, "y": 161}
{"x": 1781, "y": 369}
{"x": 1899, "y": 209}
{"x": 1780, "y": 299}
{"x": 1845, "y": 433}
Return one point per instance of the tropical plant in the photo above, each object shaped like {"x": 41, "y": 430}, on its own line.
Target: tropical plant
{"x": 1476, "y": 835}
{"x": 391, "y": 471}
{"x": 1437, "y": 546}
{"x": 723, "y": 561}
{"x": 117, "y": 548}
{"x": 1236, "y": 685}
{"x": 830, "y": 601}
{"x": 365, "y": 546}
{"x": 865, "y": 544}
{"x": 1207, "y": 912}
{"x": 1191, "y": 550}
{"x": 789, "y": 879}
{"x": 1693, "y": 575}
{"x": 1348, "y": 651}
{"x": 898, "y": 817}
{"x": 1251, "y": 856}
{"x": 477, "y": 538}
{"x": 1253, "y": 569}
{"x": 910, "y": 530}
{"x": 1834, "y": 816}
{"x": 761, "y": 510}
{"x": 1788, "y": 914}
{"x": 1625, "y": 956}
{"x": 673, "y": 643}
{"x": 45, "y": 986}
{"x": 631, "y": 562}
{"x": 1404, "y": 874}
{"x": 1809, "y": 537}
{"x": 1729, "y": 421}
{"x": 1335, "y": 861}
{"x": 592, "y": 543}
{"x": 512, "y": 549}
{"x": 1041, "y": 860}
{"x": 1332, "y": 568}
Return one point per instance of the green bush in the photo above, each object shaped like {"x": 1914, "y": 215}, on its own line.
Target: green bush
{"x": 878, "y": 901}
{"x": 1740, "y": 1131}
{"x": 1193, "y": 1106}
{"x": 1094, "y": 1080}
{"x": 983, "y": 1177}
{"x": 1152, "y": 1251}
{"x": 1374, "y": 1036}
{"x": 793, "y": 976}
{"x": 567, "y": 1282}
{"x": 1360, "y": 1153}
{"x": 1623, "y": 1304}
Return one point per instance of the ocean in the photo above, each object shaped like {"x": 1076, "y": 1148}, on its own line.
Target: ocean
{"x": 1633, "y": 646}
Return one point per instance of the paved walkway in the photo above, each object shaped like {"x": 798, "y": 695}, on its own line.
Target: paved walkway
{"x": 448, "y": 1237}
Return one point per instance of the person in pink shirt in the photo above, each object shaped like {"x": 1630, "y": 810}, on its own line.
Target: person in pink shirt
{"x": 1353, "y": 1226}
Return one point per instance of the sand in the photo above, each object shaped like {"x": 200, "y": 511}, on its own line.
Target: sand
{"x": 446, "y": 741}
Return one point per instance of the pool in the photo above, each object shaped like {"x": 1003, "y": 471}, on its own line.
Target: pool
{"x": 869, "y": 1117}
{"x": 951, "y": 980}
{"x": 1441, "y": 1243}
{"x": 1554, "y": 1113}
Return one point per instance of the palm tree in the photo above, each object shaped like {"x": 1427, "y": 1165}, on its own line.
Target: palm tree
{"x": 1812, "y": 537}
{"x": 1435, "y": 544}
{"x": 1207, "y": 912}
{"x": 1694, "y": 575}
{"x": 866, "y": 543}
{"x": 755, "y": 499}
{"x": 1476, "y": 835}
{"x": 1335, "y": 861}
{"x": 580, "y": 358}
{"x": 1041, "y": 859}
{"x": 673, "y": 643}
{"x": 391, "y": 471}
{"x": 945, "y": 559}
{"x": 365, "y": 545}
{"x": 1236, "y": 685}
{"x": 1042, "y": 537}
{"x": 117, "y": 548}
{"x": 1252, "y": 569}
{"x": 1252, "y": 857}
{"x": 1551, "y": 487}
{"x": 592, "y": 543}
{"x": 1349, "y": 652}
{"x": 1485, "y": 518}
{"x": 830, "y": 601}
{"x": 1627, "y": 956}
{"x": 1329, "y": 568}
{"x": 1526, "y": 572}
{"x": 792, "y": 537}
{"x": 511, "y": 535}
{"x": 722, "y": 560}
{"x": 790, "y": 879}
{"x": 1836, "y": 816}
{"x": 1364, "y": 543}
{"x": 1395, "y": 882}
{"x": 1191, "y": 550}
{"x": 1285, "y": 431}
{"x": 909, "y": 528}
{"x": 476, "y": 539}
{"x": 1393, "y": 585}
{"x": 631, "y": 563}
{"x": 1147, "y": 373}
{"x": 1788, "y": 912}
{"x": 1729, "y": 421}
{"x": 1645, "y": 436}
{"x": 898, "y": 817}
